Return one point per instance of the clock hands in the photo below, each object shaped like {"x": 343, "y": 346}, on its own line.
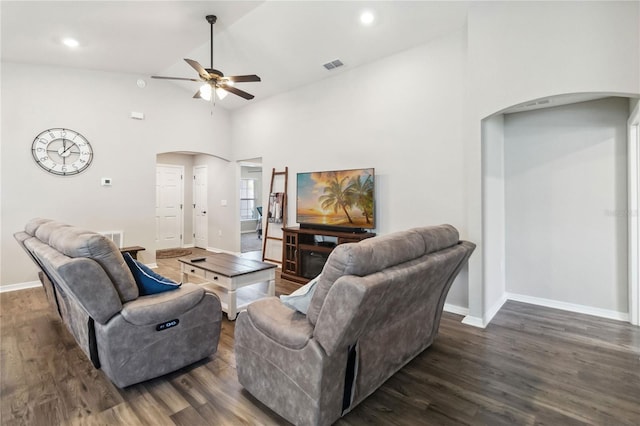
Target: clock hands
{"x": 67, "y": 149}
{"x": 62, "y": 154}
{"x": 62, "y": 151}
{"x": 64, "y": 157}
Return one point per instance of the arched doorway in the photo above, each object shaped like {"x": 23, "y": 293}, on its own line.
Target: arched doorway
{"x": 581, "y": 207}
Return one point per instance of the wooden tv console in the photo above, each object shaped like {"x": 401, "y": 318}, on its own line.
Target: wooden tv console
{"x": 303, "y": 255}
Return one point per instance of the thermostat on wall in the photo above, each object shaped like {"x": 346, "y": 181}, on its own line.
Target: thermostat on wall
{"x": 106, "y": 181}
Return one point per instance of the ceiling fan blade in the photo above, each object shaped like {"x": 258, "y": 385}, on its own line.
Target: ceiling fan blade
{"x": 175, "y": 78}
{"x": 201, "y": 71}
{"x": 197, "y": 95}
{"x": 238, "y": 92}
{"x": 243, "y": 78}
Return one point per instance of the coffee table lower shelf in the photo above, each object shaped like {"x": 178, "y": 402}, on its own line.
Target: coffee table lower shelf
{"x": 243, "y": 296}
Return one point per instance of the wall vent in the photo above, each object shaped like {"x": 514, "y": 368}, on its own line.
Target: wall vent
{"x": 116, "y": 236}
{"x": 535, "y": 103}
{"x": 333, "y": 64}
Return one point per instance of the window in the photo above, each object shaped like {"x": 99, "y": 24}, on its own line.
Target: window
{"x": 247, "y": 199}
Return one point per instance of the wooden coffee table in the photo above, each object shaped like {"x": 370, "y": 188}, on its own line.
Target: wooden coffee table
{"x": 234, "y": 279}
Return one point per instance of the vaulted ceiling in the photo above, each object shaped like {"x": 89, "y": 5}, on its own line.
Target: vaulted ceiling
{"x": 285, "y": 42}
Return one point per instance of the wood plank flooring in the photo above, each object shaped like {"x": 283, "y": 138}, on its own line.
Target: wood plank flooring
{"x": 530, "y": 366}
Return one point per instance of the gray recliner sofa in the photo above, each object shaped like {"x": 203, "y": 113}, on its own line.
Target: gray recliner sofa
{"x": 377, "y": 304}
{"x": 132, "y": 338}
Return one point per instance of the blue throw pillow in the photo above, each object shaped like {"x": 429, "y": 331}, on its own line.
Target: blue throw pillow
{"x": 148, "y": 281}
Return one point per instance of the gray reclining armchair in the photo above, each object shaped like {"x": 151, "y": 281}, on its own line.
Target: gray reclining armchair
{"x": 377, "y": 304}
{"x": 132, "y": 338}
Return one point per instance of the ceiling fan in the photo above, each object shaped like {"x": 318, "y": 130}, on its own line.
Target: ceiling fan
{"x": 215, "y": 80}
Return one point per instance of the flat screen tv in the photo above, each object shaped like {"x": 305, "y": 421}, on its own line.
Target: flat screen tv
{"x": 339, "y": 199}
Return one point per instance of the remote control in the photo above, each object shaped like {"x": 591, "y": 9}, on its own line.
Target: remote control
{"x": 198, "y": 259}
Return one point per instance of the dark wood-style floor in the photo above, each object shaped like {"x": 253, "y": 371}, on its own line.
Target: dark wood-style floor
{"x": 530, "y": 366}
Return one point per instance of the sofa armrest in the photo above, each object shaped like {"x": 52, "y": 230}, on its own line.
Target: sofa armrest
{"x": 280, "y": 323}
{"x": 161, "y": 307}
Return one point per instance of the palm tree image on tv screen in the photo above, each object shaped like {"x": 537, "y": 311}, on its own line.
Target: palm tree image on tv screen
{"x": 342, "y": 198}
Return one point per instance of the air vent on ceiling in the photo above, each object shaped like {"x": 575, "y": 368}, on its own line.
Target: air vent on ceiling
{"x": 333, "y": 64}
{"x": 535, "y": 103}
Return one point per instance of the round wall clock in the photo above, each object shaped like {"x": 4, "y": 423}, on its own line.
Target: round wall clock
{"x": 62, "y": 152}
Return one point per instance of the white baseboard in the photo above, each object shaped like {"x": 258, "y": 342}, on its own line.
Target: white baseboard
{"x": 20, "y": 286}
{"x": 483, "y": 322}
{"x": 454, "y": 309}
{"x": 217, "y": 250}
{"x": 548, "y": 303}
{"x": 571, "y": 307}
{"x": 488, "y": 316}
{"x": 188, "y": 246}
{"x": 474, "y": 321}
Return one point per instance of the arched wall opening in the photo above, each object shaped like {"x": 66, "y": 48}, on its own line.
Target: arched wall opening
{"x": 556, "y": 220}
{"x": 215, "y": 222}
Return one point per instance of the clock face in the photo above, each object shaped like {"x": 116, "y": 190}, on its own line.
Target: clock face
{"x": 62, "y": 152}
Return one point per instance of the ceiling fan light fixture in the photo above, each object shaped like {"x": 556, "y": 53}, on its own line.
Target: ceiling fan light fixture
{"x": 205, "y": 92}
{"x": 221, "y": 93}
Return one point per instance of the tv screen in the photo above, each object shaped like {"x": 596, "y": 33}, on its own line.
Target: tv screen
{"x": 336, "y": 199}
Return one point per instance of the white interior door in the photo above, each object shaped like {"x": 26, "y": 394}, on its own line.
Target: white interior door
{"x": 200, "y": 224}
{"x": 169, "y": 190}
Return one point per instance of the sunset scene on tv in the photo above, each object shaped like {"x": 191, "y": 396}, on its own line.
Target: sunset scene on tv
{"x": 336, "y": 198}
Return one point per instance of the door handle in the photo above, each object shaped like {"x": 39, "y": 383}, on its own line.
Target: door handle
{"x": 204, "y": 212}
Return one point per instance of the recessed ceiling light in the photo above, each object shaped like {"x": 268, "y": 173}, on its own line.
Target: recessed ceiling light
{"x": 367, "y": 17}
{"x": 70, "y": 42}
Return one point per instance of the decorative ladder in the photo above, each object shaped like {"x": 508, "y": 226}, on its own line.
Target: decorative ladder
{"x": 276, "y": 212}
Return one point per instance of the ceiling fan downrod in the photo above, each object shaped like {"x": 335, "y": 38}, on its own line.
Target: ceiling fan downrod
{"x": 211, "y": 19}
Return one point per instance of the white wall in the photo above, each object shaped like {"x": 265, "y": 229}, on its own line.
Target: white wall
{"x": 633, "y": 189}
{"x": 97, "y": 104}
{"x": 566, "y": 202}
{"x": 410, "y": 132}
{"x": 493, "y": 211}
{"x": 521, "y": 51}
